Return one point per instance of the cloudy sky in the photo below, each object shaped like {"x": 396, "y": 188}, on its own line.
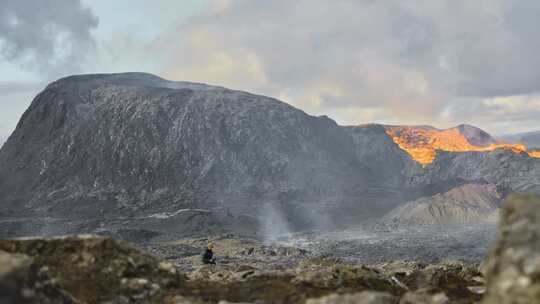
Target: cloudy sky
{"x": 439, "y": 62}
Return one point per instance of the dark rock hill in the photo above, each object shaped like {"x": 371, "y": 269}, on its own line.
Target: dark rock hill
{"x": 470, "y": 203}
{"x": 132, "y": 151}
{"x": 476, "y": 136}
{"x": 98, "y": 147}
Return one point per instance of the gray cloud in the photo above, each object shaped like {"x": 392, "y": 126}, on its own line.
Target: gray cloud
{"x": 48, "y": 36}
{"x": 488, "y": 48}
{"x": 391, "y": 61}
{"x": 503, "y": 114}
{"x": 13, "y": 87}
{"x": 439, "y": 62}
{"x": 15, "y": 97}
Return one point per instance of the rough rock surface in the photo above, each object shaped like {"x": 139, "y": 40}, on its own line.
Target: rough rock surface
{"x": 470, "y": 203}
{"x": 122, "y": 149}
{"x": 476, "y": 136}
{"x": 21, "y": 281}
{"x": 513, "y": 266}
{"x": 134, "y": 152}
{"x": 509, "y": 170}
{"x": 90, "y": 269}
{"x": 365, "y": 297}
{"x": 85, "y": 269}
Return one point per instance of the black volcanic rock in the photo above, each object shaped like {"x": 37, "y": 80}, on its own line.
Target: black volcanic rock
{"x": 385, "y": 162}
{"x": 110, "y": 147}
{"x": 133, "y": 152}
{"x": 513, "y": 172}
{"x": 470, "y": 203}
{"x": 476, "y": 136}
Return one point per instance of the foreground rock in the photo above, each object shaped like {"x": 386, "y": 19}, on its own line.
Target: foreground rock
{"x": 513, "y": 266}
{"x": 88, "y": 269}
{"x": 22, "y": 282}
{"x": 83, "y": 270}
{"x": 365, "y": 297}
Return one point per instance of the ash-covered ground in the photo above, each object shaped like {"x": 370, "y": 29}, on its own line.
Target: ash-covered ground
{"x": 434, "y": 243}
{"x": 427, "y": 244}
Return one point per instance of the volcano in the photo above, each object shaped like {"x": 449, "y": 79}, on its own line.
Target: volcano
{"x": 423, "y": 142}
{"x": 110, "y": 153}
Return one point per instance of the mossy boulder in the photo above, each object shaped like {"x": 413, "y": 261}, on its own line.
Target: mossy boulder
{"x": 513, "y": 265}
{"x": 97, "y": 269}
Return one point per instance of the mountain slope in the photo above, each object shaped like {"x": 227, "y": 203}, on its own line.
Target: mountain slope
{"x": 133, "y": 151}
{"x": 471, "y": 203}
{"x": 424, "y": 142}
{"x": 111, "y": 146}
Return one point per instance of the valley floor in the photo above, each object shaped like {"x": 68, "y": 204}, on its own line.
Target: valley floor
{"x": 424, "y": 244}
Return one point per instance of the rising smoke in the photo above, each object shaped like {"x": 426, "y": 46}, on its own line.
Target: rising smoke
{"x": 274, "y": 225}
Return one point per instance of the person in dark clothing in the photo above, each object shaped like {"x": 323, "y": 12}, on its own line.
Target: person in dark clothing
{"x": 208, "y": 255}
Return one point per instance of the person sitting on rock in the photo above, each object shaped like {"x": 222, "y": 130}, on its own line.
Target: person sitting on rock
{"x": 208, "y": 255}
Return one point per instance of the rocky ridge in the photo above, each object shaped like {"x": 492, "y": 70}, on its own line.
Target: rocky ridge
{"x": 531, "y": 139}
{"x": 111, "y": 153}
{"x": 98, "y": 149}
{"x": 470, "y": 203}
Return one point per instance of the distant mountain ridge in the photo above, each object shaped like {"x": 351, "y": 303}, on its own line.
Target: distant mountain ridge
{"x": 424, "y": 142}
{"x": 471, "y": 203}
{"x": 97, "y": 153}
{"x": 531, "y": 139}
{"x": 474, "y": 135}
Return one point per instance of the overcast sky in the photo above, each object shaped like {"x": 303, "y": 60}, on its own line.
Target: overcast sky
{"x": 400, "y": 62}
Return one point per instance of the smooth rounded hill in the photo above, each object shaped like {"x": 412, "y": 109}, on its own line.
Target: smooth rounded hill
{"x": 101, "y": 148}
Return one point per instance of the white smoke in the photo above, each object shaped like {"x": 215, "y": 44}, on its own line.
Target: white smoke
{"x": 274, "y": 225}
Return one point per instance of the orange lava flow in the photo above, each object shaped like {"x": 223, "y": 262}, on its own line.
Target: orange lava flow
{"x": 422, "y": 143}
{"x": 534, "y": 153}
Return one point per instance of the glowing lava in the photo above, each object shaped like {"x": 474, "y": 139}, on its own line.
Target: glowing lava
{"x": 534, "y": 153}
{"x": 422, "y": 143}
